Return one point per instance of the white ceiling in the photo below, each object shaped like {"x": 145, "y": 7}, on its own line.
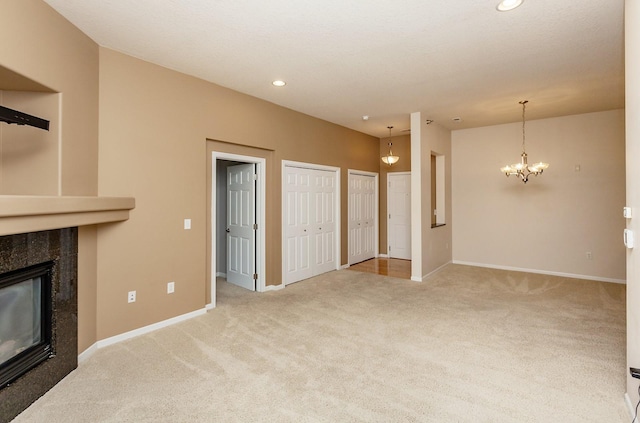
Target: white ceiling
{"x": 345, "y": 59}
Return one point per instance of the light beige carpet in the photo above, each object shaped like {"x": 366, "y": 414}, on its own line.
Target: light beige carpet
{"x": 468, "y": 345}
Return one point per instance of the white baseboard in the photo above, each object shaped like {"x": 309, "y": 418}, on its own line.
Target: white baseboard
{"x": 542, "y": 272}
{"x": 84, "y": 355}
{"x": 150, "y": 328}
{"x": 383, "y": 255}
{"x": 273, "y": 287}
{"x": 209, "y": 306}
{"x": 433, "y": 272}
{"x": 221, "y": 275}
{"x": 345, "y": 266}
{"x": 630, "y": 408}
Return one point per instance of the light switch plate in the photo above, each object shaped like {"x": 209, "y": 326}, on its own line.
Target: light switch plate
{"x": 626, "y": 212}
{"x": 187, "y": 223}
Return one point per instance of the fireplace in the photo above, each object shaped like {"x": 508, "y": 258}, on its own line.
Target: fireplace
{"x": 38, "y": 315}
{"x": 25, "y": 320}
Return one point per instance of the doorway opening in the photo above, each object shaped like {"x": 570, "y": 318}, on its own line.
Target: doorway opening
{"x": 238, "y": 221}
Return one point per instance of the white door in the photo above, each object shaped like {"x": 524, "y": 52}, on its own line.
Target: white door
{"x": 241, "y": 229}
{"x": 310, "y": 222}
{"x": 323, "y": 211}
{"x": 297, "y": 224}
{"x": 362, "y": 224}
{"x": 399, "y": 215}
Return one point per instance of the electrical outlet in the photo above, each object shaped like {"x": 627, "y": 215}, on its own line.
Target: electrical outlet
{"x": 589, "y": 255}
{"x": 132, "y": 297}
{"x": 634, "y": 372}
{"x": 171, "y": 287}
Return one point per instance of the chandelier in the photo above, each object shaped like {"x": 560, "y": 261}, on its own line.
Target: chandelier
{"x": 390, "y": 158}
{"x": 523, "y": 169}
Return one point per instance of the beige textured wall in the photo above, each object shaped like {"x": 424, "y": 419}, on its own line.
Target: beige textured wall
{"x": 632, "y": 108}
{"x": 154, "y": 127}
{"x": 550, "y": 223}
{"x": 39, "y": 45}
{"x": 401, "y": 148}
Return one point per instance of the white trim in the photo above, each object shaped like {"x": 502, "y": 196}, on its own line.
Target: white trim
{"x": 376, "y": 216}
{"x": 274, "y": 287}
{"x": 84, "y": 355}
{"x": 433, "y": 272}
{"x": 428, "y": 275}
{"x": 209, "y": 306}
{"x": 383, "y": 255}
{"x": 542, "y": 272}
{"x": 261, "y": 190}
{"x": 150, "y": 328}
{"x": 630, "y": 407}
{"x": 313, "y": 166}
{"x": 416, "y": 195}
{"x": 345, "y": 266}
{"x": 221, "y": 275}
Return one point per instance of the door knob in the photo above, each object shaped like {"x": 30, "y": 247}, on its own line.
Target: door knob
{"x": 228, "y": 230}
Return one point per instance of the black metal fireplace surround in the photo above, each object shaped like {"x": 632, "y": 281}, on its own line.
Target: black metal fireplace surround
{"x": 44, "y": 349}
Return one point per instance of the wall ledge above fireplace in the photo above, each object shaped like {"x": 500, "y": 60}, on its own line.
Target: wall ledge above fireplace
{"x": 25, "y": 213}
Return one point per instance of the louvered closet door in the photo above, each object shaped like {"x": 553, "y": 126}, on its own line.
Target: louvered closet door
{"x": 310, "y": 223}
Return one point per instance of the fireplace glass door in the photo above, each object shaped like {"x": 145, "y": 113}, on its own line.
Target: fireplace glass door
{"x": 25, "y": 320}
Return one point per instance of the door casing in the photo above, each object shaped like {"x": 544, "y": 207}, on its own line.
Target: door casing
{"x": 260, "y": 218}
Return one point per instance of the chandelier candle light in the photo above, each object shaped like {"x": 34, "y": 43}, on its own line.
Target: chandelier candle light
{"x": 523, "y": 169}
{"x": 390, "y": 158}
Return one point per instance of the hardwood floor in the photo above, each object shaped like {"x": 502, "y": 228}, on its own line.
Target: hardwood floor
{"x": 396, "y": 268}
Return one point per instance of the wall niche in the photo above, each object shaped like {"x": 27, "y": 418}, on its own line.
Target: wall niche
{"x": 29, "y": 157}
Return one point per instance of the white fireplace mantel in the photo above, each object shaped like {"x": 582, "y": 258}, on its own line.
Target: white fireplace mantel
{"x": 24, "y": 213}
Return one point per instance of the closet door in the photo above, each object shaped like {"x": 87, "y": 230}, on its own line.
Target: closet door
{"x": 361, "y": 217}
{"x": 323, "y": 210}
{"x": 310, "y": 222}
{"x": 297, "y": 224}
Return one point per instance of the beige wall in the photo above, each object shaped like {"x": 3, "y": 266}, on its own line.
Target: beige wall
{"x": 550, "y": 223}
{"x": 41, "y": 51}
{"x": 436, "y": 242}
{"x": 157, "y": 130}
{"x": 29, "y": 161}
{"x": 401, "y": 148}
{"x": 632, "y": 72}
{"x": 432, "y": 249}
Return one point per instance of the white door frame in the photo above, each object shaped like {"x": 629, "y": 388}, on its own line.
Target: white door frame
{"x": 313, "y": 166}
{"x": 388, "y": 201}
{"x": 261, "y": 188}
{"x": 376, "y": 247}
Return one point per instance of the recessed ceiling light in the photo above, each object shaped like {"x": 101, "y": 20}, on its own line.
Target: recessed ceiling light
{"x": 506, "y": 5}
{"x": 279, "y": 83}
{"x": 365, "y": 117}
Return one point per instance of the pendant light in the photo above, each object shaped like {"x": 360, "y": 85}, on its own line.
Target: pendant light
{"x": 390, "y": 159}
